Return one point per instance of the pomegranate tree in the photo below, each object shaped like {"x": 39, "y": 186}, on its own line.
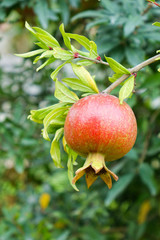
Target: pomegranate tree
{"x": 101, "y": 129}
{"x": 98, "y": 126}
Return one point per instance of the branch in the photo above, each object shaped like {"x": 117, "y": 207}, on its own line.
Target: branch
{"x": 132, "y": 70}
{"x": 93, "y": 60}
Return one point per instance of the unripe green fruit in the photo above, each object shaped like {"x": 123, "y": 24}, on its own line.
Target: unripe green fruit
{"x": 102, "y": 129}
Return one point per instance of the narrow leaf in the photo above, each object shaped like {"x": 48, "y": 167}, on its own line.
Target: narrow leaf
{"x": 85, "y": 77}
{"x": 65, "y": 37}
{"x": 93, "y": 50}
{"x": 47, "y": 62}
{"x": 56, "y": 71}
{"x": 62, "y": 54}
{"x": 30, "y": 28}
{"x": 70, "y": 171}
{"x": 115, "y": 77}
{"x": 30, "y": 54}
{"x": 47, "y": 54}
{"x": 157, "y": 24}
{"x": 117, "y": 67}
{"x": 46, "y": 40}
{"x": 126, "y": 89}
{"x": 64, "y": 94}
{"x": 147, "y": 176}
{"x": 119, "y": 187}
{"x": 43, "y": 33}
{"x": 39, "y": 115}
{"x": 55, "y": 113}
{"x": 77, "y": 84}
{"x": 80, "y": 39}
{"x": 55, "y": 148}
{"x": 84, "y": 63}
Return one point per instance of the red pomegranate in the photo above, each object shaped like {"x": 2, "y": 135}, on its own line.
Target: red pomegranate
{"x": 101, "y": 129}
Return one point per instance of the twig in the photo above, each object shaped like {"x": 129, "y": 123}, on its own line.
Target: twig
{"x": 149, "y": 6}
{"x": 93, "y": 60}
{"x": 132, "y": 70}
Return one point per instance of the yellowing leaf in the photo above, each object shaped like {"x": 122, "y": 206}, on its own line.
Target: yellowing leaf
{"x": 85, "y": 77}
{"x": 143, "y": 211}
{"x": 126, "y": 89}
{"x": 44, "y": 200}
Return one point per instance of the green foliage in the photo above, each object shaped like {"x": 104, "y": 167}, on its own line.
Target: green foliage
{"x": 123, "y": 29}
{"x": 26, "y": 168}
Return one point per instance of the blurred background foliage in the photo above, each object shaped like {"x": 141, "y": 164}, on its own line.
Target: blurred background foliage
{"x": 36, "y": 200}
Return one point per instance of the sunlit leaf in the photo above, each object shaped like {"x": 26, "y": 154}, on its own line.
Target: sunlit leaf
{"x": 126, "y": 89}
{"x": 77, "y": 84}
{"x": 80, "y": 39}
{"x": 64, "y": 94}
{"x": 55, "y": 148}
{"x": 85, "y": 77}
{"x": 48, "y": 36}
{"x": 117, "y": 67}
{"x": 62, "y": 54}
{"x": 56, "y": 71}
{"x": 93, "y": 50}
{"x": 30, "y": 54}
{"x": 66, "y": 39}
{"x": 70, "y": 171}
{"x": 47, "y": 62}
{"x": 39, "y": 115}
{"x": 157, "y": 24}
{"x": 115, "y": 77}
{"x": 54, "y": 114}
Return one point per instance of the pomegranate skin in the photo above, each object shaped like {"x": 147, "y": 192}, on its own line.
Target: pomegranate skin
{"x": 100, "y": 124}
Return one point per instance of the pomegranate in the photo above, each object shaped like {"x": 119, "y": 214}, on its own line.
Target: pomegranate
{"x": 101, "y": 129}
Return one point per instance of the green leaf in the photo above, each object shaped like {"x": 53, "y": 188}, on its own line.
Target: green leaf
{"x": 80, "y": 39}
{"x": 41, "y": 45}
{"x": 117, "y": 67}
{"x": 157, "y": 24}
{"x": 70, "y": 171}
{"x": 85, "y": 77}
{"x": 65, "y": 37}
{"x": 30, "y": 54}
{"x": 56, "y": 71}
{"x": 115, "y": 77}
{"x": 39, "y": 115}
{"x": 147, "y": 176}
{"x": 47, "y": 54}
{"x": 30, "y": 28}
{"x": 54, "y": 114}
{"x": 126, "y": 89}
{"x": 64, "y": 94}
{"x": 47, "y": 62}
{"x": 55, "y": 148}
{"x": 77, "y": 84}
{"x": 119, "y": 187}
{"x": 62, "y": 54}
{"x": 49, "y": 37}
{"x": 93, "y": 50}
{"x": 49, "y": 42}
{"x": 84, "y": 63}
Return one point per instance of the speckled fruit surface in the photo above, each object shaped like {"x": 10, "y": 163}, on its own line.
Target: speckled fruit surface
{"x": 102, "y": 129}
{"x": 99, "y": 123}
